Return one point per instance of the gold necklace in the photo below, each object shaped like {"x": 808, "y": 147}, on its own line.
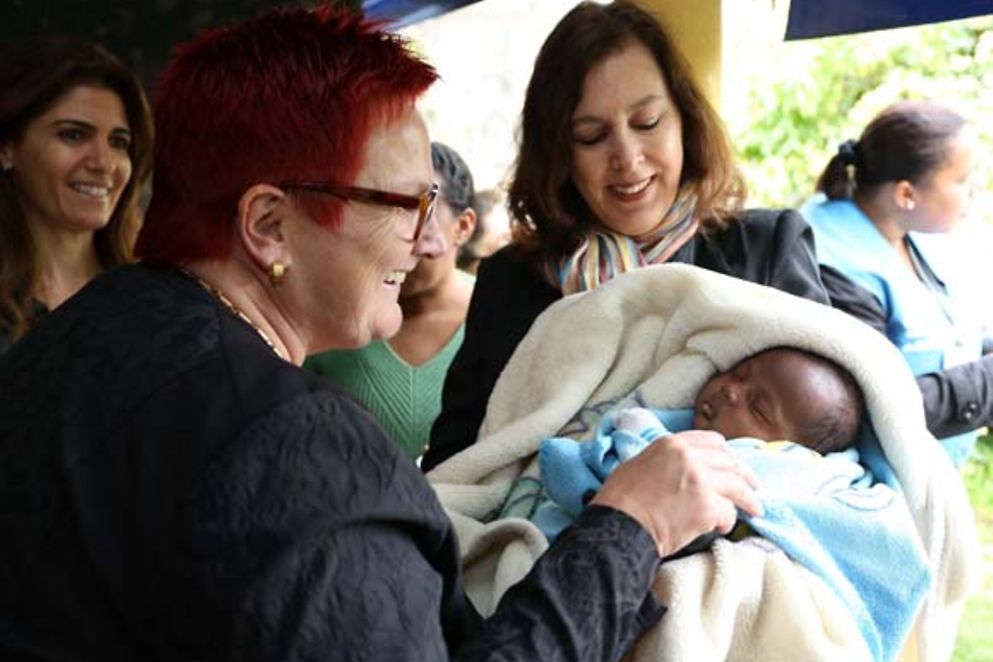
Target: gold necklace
{"x": 220, "y": 296}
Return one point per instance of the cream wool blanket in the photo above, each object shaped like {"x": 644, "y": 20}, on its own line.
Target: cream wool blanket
{"x": 654, "y": 336}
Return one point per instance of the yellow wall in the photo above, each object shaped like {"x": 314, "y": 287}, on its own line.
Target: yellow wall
{"x": 696, "y": 26}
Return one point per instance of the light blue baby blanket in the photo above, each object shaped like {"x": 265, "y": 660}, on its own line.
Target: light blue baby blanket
{"x": 840, "y": 515}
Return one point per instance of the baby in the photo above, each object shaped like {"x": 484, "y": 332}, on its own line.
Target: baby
{"x": 783, "y": 394}
{"x": 777, "y": 395}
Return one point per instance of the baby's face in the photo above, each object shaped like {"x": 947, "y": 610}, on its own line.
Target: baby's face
{"x": 767, "y": 396}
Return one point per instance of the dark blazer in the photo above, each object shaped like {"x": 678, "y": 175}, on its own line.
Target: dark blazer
{"x": 172, "y": 490}
{"x": 38, "y": 311}
{"x": 771, "y": 247}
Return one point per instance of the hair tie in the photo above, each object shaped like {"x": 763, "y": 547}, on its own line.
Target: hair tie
{"x": 849, "y": 152}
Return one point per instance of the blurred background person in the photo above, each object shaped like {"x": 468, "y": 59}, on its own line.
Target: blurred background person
{"x": 400, "y": 379}
{"x": 75, "y": 154}
{"x": 884, "y": 206}
{"x": 492, "y": 230}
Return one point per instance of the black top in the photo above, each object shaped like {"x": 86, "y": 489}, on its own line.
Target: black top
{"x": 38, "y": 310}
{"x": 771, "y": 247}
{"x": 172, "y": 490}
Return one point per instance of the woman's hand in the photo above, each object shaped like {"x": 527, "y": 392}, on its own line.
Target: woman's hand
{"x": 680, "y": 487}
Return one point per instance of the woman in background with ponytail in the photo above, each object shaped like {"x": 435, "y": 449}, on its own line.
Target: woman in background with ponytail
{"x": 879, "y": 199}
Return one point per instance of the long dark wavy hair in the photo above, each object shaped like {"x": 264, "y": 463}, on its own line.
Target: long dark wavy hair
{"x": 34, "y": 74}
{"x": 549, "y": 214}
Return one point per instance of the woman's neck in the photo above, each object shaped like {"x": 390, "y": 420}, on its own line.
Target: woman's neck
{"x": 431, "y": 319}
{"x": 246, "y": 293}
{"x": 884, "y": 219}
{"x": 889, "y": 226}
{"x": 64, "y": 262}
{"x": 447, "y": 294}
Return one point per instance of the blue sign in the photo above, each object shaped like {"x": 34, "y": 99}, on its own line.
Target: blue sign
{"x": 808, "y": 18}
{"x": 400, "y": 13}
{"x": 823, "y": 18}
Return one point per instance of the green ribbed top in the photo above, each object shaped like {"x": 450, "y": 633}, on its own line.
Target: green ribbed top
{"x": 406, "y": 399}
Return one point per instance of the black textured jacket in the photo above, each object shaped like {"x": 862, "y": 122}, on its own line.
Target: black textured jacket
{"x": 771, "y": 247}
{"x": 171, "y": 490}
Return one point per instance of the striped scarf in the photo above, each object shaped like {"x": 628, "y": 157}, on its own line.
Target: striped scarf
{"x": 604, "y": 253}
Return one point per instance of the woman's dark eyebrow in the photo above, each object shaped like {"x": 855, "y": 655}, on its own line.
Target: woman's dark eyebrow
{"x": 640, "y": 103}
{"x": 82, "y": 124}
{"x": 644, "y": 101}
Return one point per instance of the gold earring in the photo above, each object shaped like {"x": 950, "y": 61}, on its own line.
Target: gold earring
{"x": 276, "y": 273}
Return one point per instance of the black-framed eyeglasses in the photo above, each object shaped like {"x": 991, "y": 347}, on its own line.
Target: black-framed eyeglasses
{"x": 423, "y": 203}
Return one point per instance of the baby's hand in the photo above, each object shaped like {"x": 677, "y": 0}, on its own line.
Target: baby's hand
{"x": 640, "y": 422}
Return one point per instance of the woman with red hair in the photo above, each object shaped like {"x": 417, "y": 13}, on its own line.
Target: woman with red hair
{"x": 176, "y": 487}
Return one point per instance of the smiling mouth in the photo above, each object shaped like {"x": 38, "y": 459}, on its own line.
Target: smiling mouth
{"x": 94, "y": 191}
{"x": 396, "y": 278}
{"x": 631, "y": 190}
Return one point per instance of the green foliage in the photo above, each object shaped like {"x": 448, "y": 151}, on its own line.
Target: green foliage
{"x": 816, "y": 94}
{"x": 973, "y": 643}
{"x": 978, "y": 477}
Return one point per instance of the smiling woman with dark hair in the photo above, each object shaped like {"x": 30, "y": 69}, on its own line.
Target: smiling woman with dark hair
{"x": 75, "y": 152}
{"x": 623, "y": 163}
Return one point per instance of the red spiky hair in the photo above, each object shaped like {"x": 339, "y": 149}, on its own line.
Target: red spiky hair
{"x": 291, "y": 94}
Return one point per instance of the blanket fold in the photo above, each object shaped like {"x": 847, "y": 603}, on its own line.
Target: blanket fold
{"x": 815, "y": 507}
{"x": 652, "y": 338}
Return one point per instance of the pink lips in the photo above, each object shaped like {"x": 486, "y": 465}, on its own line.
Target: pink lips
{"x": 703, "y": 415}
{"x": 634, "y": 196}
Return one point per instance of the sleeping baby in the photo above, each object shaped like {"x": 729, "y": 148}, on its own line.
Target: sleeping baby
{"x": 782, "y": 400}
